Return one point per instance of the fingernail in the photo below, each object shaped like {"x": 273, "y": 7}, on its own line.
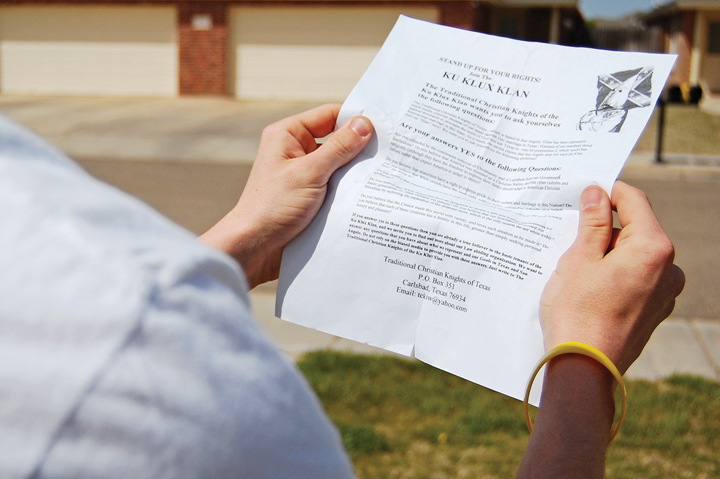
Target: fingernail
{"x": 590, "y": 197}
{"x": 361, "y": 126}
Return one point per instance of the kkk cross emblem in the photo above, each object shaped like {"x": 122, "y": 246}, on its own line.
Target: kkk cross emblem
{"x": 618, "y": 93}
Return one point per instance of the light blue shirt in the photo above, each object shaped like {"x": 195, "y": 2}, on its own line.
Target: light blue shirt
{"x": 128, "y": 348}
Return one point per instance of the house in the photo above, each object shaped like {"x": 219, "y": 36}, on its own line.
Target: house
{"x": 628, "y": 34}
{"x": 307, "y": 50}
{"x": 557, "y": 22}
{"x": 691, "y": 29}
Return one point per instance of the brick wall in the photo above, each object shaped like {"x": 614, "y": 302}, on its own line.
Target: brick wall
{"x": 203, "y": 48}
{"x": 459, "y": 14}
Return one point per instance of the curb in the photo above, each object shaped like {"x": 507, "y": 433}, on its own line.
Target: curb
{"x": 678, "y": 345}
{"x": 642, "y": 166}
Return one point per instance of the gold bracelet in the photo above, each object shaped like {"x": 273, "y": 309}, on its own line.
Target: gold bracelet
{"x": 586, "y": 350}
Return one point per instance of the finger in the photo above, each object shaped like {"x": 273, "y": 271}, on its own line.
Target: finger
{"x": 304, "y": 127}
{"x": 671, "y": 289}
{"x": 678, "y": 280}
{"x": 667, "y": 311}
{"x": 343, "y": 146}
{"x": 318, "y": 122}
{"x": 613, "y": 240}
{"x": 595, "y": 231}
{"x": 633, "y": 207}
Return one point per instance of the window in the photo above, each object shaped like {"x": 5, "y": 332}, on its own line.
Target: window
{"x": 714, "y": 38}
{"x": 509, "y": 27}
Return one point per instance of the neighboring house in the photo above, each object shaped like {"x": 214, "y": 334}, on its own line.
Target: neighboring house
{"x": 691, "y": 29}
{"x": 312, "y": 50}
{"x": 557, "y": 21}
{"x": 628, "y": 34}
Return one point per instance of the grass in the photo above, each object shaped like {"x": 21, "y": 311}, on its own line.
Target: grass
{"x": 687, "y": 131}
{"x": 404, "y": 419}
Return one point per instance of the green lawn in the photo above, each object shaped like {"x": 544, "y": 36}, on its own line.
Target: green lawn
{"x": 403, "y": 419}
{"x": 687, "y": 131}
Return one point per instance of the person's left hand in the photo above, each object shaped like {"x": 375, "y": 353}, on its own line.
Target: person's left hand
{"x": 286, "y": 188}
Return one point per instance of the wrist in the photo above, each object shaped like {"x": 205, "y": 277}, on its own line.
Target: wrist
{"x": 606, "y": 340}
{"x": 571, "y": 376}
{"x": 572, "y": 428}
{"x": 578, "y": 398}
{"x": 245, "y": 243}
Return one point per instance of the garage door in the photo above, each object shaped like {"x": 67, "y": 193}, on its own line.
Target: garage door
{"x": 93, "y": 50}
{"x": 308, "y": 53}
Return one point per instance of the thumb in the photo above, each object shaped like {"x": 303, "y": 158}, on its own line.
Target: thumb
{"x": 596, "y": 224}
{"x": 341, "y": 148}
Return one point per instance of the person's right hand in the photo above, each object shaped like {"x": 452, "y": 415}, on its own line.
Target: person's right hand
{"x": 612, "y": 288}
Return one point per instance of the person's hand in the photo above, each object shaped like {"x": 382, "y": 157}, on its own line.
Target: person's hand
{"x": 286, "y": 188}
{"x": 612, "y": 288}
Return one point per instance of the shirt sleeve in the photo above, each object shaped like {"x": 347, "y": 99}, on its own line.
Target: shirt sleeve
{"x": 128, "y": 348}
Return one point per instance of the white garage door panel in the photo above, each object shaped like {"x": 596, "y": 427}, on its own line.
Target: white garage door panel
{"x": 339, "y": 25}
{"x": 303, "y": 72}
{"x": 308, "y": 53}
{"x": 89, "y": 68}
{"x": 89, "y": 50}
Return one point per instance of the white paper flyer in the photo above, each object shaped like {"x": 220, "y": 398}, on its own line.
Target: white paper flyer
{"x": 436, "y": 242}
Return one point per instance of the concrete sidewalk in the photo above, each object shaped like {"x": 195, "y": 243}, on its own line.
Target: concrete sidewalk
{"x": 213, "y": 130}
{"x": 678, "y": 346}
{"x": 219, "y": 130}
{"x": 188, "y": 129}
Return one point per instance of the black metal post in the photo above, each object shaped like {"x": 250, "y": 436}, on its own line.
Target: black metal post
{"x": 660, "y": 130}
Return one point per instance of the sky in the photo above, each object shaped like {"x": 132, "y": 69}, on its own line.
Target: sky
{"x": 615, "y": 8}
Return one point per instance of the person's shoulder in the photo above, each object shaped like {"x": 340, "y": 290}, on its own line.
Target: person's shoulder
{"x": 128, "y": 347}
